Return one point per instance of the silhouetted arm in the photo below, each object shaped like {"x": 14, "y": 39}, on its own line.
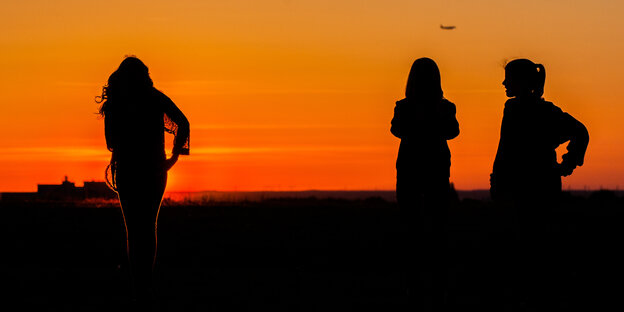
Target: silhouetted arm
{"x": 575, "y": 132}
{"x": 496, "y": 178}
{"x": 181, "y": 127}
{"x": 450, "y": 126}
{"x": 395, "y": 128}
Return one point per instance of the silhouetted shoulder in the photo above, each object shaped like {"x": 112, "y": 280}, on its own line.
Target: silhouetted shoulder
{"x": 564, "y": 121}
{"x": 449, "y": 121}
{"x": 511, "y": 104}
{"x": 447, "y": 103}
{"x": 396, "y": 127}
{"x": 448, "y": 106}
{"x": 539, "y": 106}
{"x": 552, "y": 109}
{"x": 160, "y": 97}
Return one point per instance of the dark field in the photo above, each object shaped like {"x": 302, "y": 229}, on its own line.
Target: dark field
{"x": 304, "y": 255}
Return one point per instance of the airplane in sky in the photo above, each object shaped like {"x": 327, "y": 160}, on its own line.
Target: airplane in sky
{"x": 447, "y": 27}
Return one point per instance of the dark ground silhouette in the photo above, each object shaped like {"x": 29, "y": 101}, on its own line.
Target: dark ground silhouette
{"x": 299, "y": 255}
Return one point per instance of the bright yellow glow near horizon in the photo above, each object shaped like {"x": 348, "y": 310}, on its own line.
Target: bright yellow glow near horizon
{"x": 294, "y": 95}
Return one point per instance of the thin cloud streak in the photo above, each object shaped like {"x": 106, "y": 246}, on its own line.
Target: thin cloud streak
{"x": 203, "y": 152}
{"x": 53, "y": 153}
{"x": 469, "y": 91}
{"x": 286, "y": 126}
{"x": 93, "y": 154}
{"x": 235, "y": 150}
{"x": 219, "y": 87}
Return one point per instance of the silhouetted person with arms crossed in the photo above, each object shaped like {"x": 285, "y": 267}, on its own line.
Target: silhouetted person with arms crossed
{"x": 424, "y": 120}
{"x": 136, "y": 117}
{"x": 526, "y": 178}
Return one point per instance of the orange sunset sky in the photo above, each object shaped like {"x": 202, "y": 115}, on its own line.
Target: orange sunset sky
{"x": 294, "y": 95}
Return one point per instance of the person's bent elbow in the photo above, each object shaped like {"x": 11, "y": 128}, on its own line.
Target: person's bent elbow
{"x": 395, "y": 131}
{"x": 453, "y": 132}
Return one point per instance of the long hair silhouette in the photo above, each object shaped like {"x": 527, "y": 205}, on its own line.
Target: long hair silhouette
{"x": 136, "y": 117}
{"x": 424, "y": 120}
{"x": 424, "y": 80}
{"x": 128, "y": 82}
{"x": 531, "y": 130}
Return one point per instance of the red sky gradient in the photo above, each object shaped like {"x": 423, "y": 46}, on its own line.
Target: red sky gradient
{"x": 295, "y": 95}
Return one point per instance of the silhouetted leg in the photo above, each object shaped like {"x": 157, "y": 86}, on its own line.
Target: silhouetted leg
{"x": 409, "y": 201}
{"x": 435, "y": 245}
{"x": 140, "y": 206}
{"x": 424, "y": 214}
{"x": 507, "y": 275}
{"x": 537, "y": 253}
{"x": 547, "y": 296}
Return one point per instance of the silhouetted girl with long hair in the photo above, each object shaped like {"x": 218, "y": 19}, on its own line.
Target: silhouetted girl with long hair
{"x": 424, "y": 120}
{"x": 532, "y": 128}
{"x": 136, "y": 116}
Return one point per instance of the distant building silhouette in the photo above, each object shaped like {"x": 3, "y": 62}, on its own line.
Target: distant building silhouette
{"x": 66, "y": 191}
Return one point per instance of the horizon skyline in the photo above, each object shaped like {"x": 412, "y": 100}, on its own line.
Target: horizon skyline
{"x": 293, "y": 190}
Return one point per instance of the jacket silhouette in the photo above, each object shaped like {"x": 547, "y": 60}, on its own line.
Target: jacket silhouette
{"x": 424, "y": 159}
{"x": 526, "y": 160}
{"x": 424, "y": 120}
{"x": 531, "y": 130}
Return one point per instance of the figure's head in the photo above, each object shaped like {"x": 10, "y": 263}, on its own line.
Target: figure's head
{"x": 524, "y": 78}
{"x": 132, "y": 77}
{"x": 132, "y": 73}
{"x": 424, "y": 80}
